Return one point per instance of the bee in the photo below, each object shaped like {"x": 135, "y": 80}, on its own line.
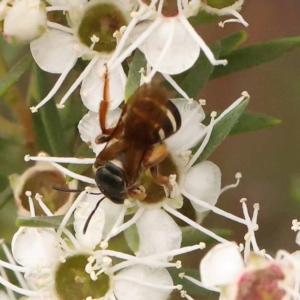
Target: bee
{"x": 134, "y": 144}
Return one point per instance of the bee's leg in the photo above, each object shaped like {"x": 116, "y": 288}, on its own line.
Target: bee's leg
{"x": 161, "y": 180}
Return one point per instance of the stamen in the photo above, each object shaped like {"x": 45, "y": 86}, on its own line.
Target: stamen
{"x": 149, "y": 284}
{"x": 62, "y": 160}
{"x": 204, "y": 143}
{"x": 177, "y": 87}
{"x": 136, "y": 43}
{"x": 80, "y": 79}
{"x": 201, "y": 43}
{"x": 57, "y": 85}
{"x": 160, "y": 6}
{"x": 31, "y": 206}
{"x": 193, "y": 224}
{"x": 69, "y": 213}
{"x": 238, "y": 177}
{"x": 24, "y": 292}
{"x": 184, "y": 294}
{"x": 132, "y": 221}
{"x": 60, "y": 27}
{"x": 213, "y": 208}
{"x": 9, "y": 291}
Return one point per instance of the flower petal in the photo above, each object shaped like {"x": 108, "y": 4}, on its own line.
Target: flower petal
{"x": 158, "y": 233}
{"x": 92, "y": 88}
{"x": 204, "y": 182}
{"x": 191, "y": 117}
{"x": 89, "y": 127}
{"x": 181, "y": 54}
{"x": 36, "y": 247}
{"x": 221, "y": 265}
{"x": 125, "y": 290}
{"x": 53, "y": 51}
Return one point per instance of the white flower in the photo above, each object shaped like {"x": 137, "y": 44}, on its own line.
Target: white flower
{"x": 25, "y": 21}
{"x": 89, "y": 37}
{"x": 161, "y": 30}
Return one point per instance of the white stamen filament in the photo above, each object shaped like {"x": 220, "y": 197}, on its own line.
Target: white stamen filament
{"x": 203, "y": 145}
{"x": 176, "y": 86}
{"x": 57, "y": 85}
{"x": 13, "y": 267}
{"x": 12, "y": 261}
{"x": 231, "y": 186}
{"x": 79, "y": 79}
{"x": 9, "y": 291}
{"x": 146, "y": 283}
{"x": 136, "y": 43}
{"x": 186, "y": 296}
{"x": 62, "y": 160}
{"x": 213, "y": 208}
{"x": 132, "y": 221}
{"x": 199, "y": 283}
{"x": 210, "y": 56}
{"x": 60, "y": 27}
{"x": 194, "y": 224}
{"x": 69, "y": 213}
{"x": 30, "y": 202}
{"x": 24, "y": 292}
{"x": 292, "y": 292}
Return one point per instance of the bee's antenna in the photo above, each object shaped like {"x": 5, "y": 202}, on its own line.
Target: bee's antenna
{"x": 61, "y": 189}
{"x": 87, "y": 222}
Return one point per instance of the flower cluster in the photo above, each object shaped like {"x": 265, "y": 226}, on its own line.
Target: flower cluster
{"x": 72, "y": 254}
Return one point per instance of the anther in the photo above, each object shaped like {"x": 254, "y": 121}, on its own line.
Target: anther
{"x": 256, "y": 206}
{"x": 213, "y": 114}
{"x": 181, "y": 275}
{"x": 245, "y": 94}
{"x": 247, "y": 236}
{"x": 28, "y": 193}
{"x": 60, "y": 106}
{"x": 202, "y": 101}
{"x": 27, "y": 157}
{"x": 42, "y": 154}
{"x": 243, "y": 200}
{"x": 178, "y": 264}
{"x": 179, "y": 287}
{"x": 103, "y": 244}
{"x": 33, "y": 109}
{"x": 202, "y": 245}
{"x": 238, "y": 175}
{"x": 241, "y": 247}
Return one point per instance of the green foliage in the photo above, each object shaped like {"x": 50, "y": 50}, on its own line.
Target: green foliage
{"x": 132, "y": 238}
{"x": 252, "y": 121}
{"x": 13, "y": 75}
{"x": 255, "y": 55}
{"x": 43, "y": 222}
{"x": 221, "y": 129}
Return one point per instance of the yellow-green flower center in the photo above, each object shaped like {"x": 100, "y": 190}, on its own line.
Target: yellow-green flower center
{"x": 102, "y": 21}
{"x": 72, "y": 282}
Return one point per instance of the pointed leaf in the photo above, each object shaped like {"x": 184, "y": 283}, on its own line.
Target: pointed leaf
{"x": 255, "y": 55}
{"x": 134, "y": 75}
{"x": 202, "y": 18}
{"x": 231, "y": 42}
{"x": 220, "y": 3}
{"x": 222, "y": 129}
{"x": 132, "y": 238}
{"x": 43, "y": 222}
{"x": 252, "y": 121}
{"x": 15, "y": 72}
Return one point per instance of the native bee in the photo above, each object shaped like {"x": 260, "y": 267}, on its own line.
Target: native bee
{"x": 136, "y": 143}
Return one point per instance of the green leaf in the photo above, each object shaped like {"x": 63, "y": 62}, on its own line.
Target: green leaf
{"x": 203, "y": 18}
{"x": 5, "y": 196}
{"x": 82, "y": 151}
{"x": 199, "y": 73}
{"x": 50, "y": 117}
{"x": 220, "y": 3}
{"x": 252, "y": 121}
{"x": 190, "y": 287}
{"x": 255, "y": 55}
{"x": 43, "y": 222}
{"x": 295, "y": 188}
{"x": 132, "y": 238}
{"x": 14, "y": 73}
{"x": 231, "y": 42}
{"x": 221, "y": 130}
{"x": 192, "y": 236}
{"x": 134, "y": 75}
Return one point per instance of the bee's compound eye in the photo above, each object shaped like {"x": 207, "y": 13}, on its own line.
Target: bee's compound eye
{"x": 110, "y": 180}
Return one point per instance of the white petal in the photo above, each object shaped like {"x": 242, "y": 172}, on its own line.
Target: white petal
{"x": 126, "y": 290}
{"x": 182, "y": 53}
{"x": 66, "y": 2}
{"x": 158, "y": 233}
{"x": 53, "y": 51}
{"x": 36, "y": 247}
{"x": 93, "y": 86}
{"x": 191, "y": 128}
{"x": 221, "y": 265}
{"x": 4, "y": 296}
{"x": 25, "y": 21}
{"x": 93, "y": 235}
{"x": 89, "y": 127}
{"x": 204, "y": 182}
